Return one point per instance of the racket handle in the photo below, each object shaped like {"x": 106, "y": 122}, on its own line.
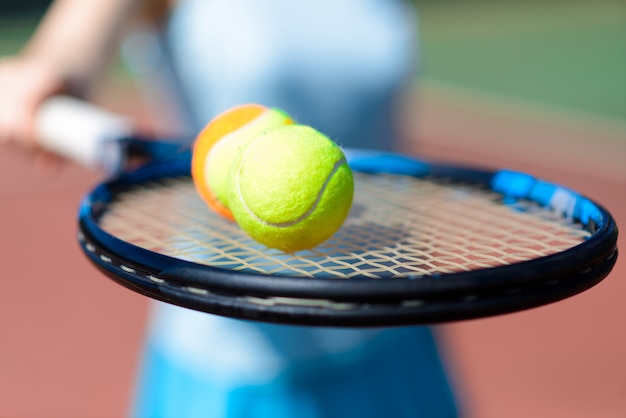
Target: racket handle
{"x": 82, "y": 132}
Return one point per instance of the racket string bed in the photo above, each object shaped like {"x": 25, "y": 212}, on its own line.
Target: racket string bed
{"x": 400, "y": 226}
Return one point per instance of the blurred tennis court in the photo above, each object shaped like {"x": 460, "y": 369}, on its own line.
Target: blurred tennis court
{"x": 535, "y": 86}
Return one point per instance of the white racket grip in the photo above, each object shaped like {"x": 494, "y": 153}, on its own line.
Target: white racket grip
{"x": 82, "y": 132}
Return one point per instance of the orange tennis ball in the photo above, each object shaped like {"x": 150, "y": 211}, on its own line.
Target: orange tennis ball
{"x": 219, "y": 142}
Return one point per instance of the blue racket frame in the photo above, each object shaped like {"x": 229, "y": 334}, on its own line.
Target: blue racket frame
{"x": 360, "y": 301}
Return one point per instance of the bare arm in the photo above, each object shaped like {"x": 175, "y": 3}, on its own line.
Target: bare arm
{"x": 78, "y": 37}
{"x": 68, "y": 52}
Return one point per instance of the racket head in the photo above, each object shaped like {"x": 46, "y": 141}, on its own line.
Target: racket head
{"x": 404, "y": 256}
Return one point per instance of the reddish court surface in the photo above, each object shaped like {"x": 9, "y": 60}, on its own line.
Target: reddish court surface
{"x": 561, "y": 360}
{"x": 71, "y": 338}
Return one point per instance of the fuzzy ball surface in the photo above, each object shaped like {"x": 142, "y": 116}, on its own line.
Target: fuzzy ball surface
{"x": 290, "y": 188}
{"x": 218, "y": 144}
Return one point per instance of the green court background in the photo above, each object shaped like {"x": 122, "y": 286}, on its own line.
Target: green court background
{"x": 566, "y": 53}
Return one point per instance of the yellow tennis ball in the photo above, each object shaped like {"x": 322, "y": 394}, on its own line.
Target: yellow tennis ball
{"x": 291, "y": 188}
{"x": 217, "y": 144}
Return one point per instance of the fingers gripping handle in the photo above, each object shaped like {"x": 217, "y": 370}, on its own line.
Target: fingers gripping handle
{"x": 82, "y": 132}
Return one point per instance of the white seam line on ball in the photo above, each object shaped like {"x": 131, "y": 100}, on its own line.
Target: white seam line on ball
{"x": 311, "y": 209}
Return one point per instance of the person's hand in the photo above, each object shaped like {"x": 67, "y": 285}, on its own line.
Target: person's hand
{"x": 24, "y": 84}
{"x": 69, "y": 50}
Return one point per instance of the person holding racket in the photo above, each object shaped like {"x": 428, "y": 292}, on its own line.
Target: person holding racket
{"x": 339, "y": 66}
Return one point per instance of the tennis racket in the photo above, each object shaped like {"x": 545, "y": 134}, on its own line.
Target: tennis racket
{"x": 424, "y": 243}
